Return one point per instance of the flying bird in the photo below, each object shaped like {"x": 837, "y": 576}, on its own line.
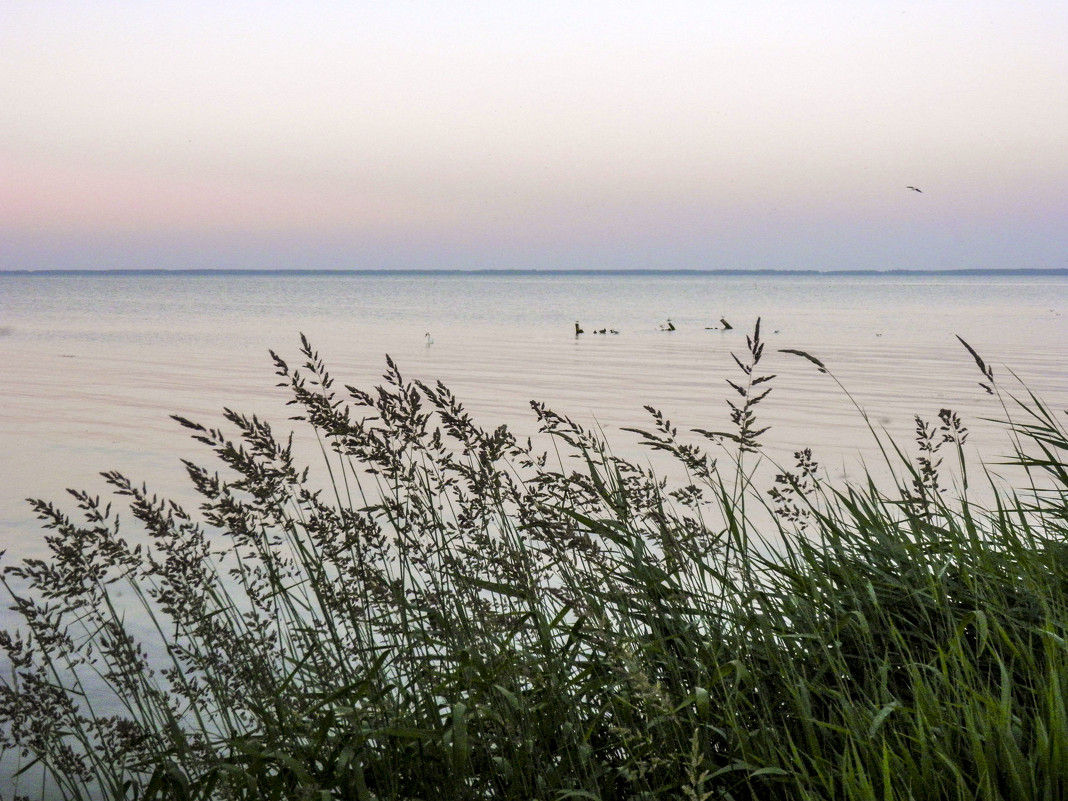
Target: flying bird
{"x": 914, "y": 189}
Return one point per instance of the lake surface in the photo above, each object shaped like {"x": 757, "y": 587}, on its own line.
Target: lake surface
{"x": 94, "y": 364}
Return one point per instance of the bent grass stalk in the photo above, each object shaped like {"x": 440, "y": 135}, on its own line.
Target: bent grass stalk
{"x": 454, "y": 613}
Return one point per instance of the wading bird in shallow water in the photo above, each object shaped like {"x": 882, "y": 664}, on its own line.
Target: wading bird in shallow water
{"x": 429, "y": 339}
{"x": 914, "y": 189}
{"x": 577, "y": 329}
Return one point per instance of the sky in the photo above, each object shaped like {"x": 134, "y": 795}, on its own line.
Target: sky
{"x": 417, "y": 134}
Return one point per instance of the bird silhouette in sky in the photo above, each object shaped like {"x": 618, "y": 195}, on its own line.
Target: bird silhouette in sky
{"x": 914, "y": 189}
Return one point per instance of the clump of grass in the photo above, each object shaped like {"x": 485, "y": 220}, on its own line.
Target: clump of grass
{"x": 453, "y": 612}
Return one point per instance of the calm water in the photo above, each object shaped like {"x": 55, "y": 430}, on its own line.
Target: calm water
{"x": 93, "y": 365}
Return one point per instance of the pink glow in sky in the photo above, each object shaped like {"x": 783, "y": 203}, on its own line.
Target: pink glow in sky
{"x": 534, "y": 135}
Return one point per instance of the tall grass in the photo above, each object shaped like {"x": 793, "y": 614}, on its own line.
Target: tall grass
{"x": 447, "y": 611}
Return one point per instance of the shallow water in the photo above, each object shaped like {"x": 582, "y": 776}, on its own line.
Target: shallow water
{"x": 94, "y": 364}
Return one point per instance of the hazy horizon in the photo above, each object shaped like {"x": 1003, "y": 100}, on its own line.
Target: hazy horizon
{"x": 676, "y": 135}
{"x": 610, "y": 271}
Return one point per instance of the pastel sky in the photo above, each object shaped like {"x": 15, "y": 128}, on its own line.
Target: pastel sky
{"x": 500, "y": 135}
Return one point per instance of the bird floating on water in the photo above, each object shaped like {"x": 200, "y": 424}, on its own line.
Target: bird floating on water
{"x": 669, "y": 327}
{"x": 578, "y": 330}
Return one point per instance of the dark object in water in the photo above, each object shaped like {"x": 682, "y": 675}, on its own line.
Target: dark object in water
{"x": 726, "y": 326}
{"x": 577, "y": 329}
{"x": 914, "y": 189}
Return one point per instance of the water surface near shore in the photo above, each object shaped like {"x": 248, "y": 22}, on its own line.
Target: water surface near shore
{"x": 94, "y": 364}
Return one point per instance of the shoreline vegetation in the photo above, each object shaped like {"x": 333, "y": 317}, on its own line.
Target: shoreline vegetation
{"x": 445, "y": 611}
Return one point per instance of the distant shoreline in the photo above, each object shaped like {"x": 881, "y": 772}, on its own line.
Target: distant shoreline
{"x": 1050, "y": 272}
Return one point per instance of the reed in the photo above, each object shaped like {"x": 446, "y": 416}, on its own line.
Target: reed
{"x": 447, "y": 611}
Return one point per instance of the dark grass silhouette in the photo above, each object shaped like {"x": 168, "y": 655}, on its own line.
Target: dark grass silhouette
{"x": 455, "y": 613}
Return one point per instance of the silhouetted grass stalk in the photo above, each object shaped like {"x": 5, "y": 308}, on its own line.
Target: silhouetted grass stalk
{"x": 456, "y": 614}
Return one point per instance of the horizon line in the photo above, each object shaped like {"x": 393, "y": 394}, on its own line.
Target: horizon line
{"x": 536, "y": 271}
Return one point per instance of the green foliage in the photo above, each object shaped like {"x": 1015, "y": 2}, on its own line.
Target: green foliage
{"x": 454, "y": 613}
